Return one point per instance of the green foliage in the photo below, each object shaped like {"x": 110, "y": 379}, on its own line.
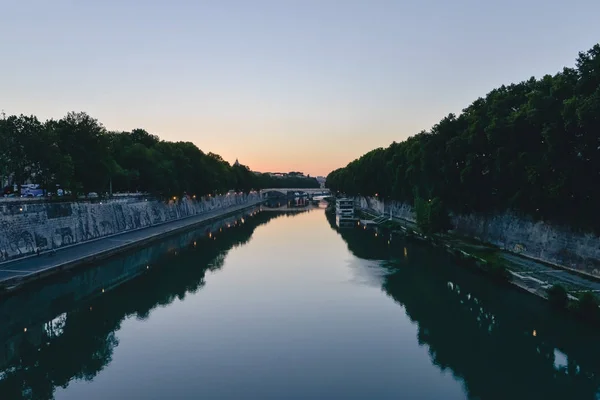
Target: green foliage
{"x": 557, "y": 297}
{"x": 83, "y": 139}
{"x": 78, "y": 153}
{"x": 531, "y": 147}
{"x": 587, "y": 308}
{"x": 267, "y": 181}
{"x": 432, "y": 216}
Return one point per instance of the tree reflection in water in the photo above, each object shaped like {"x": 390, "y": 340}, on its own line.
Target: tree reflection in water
{"x": 500, "y": 343}
{"x": 79, "y": 342}
{"x": 503, "y": 344}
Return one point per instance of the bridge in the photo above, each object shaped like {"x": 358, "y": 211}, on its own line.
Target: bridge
{"x": 292, "y": 191}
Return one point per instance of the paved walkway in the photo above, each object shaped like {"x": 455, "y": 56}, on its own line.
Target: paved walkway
{"x": 531, "y": 274}
{"x": 22, "y": 269}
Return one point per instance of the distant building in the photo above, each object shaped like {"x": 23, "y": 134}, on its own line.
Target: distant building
{"x": 321, "y": 180}
{"x": 236, "y": 163}
{"x": 292, "y": 174}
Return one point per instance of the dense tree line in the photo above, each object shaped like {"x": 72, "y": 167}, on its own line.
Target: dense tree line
{"x": 79, "y": 154}
{"x": 531, "y": 147}
{"x": 296, "y": 182}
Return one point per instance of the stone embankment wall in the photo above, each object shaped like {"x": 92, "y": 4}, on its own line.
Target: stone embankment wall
{"x": 27, "y": 227}
{"x": 397, "y": 209}
{"x": 538, "y": 240}
{"x": 37, "y": 308}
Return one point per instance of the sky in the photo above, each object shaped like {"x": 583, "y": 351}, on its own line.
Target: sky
{"x": 281, "y": 85}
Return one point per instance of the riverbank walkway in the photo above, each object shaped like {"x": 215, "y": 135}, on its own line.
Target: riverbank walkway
{"x": 529, "y": 274}
{"x": 13, "y": 273}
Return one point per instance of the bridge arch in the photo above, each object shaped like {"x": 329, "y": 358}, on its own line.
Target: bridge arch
{"x": 278, "y": 192}
{"x": 269, "y": 192}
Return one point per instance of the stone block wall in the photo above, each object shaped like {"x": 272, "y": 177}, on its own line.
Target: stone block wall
{"x": 397, "y": 209}
{"x": 47, "y": 304}
{"x": 26, "y": 227}
{"x": 536, "y": 239}
{"x": 558, "y": 245}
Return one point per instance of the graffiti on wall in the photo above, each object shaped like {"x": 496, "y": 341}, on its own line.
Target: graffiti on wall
{"x": 50, "y": 226}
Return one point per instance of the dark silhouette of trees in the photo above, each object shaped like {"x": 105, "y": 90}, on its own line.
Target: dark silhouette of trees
{"x": 79, "y": 154}
{"x": 475, "y": 330}
{"x": 531, "y": 147}
{"x": 82, "y": 342}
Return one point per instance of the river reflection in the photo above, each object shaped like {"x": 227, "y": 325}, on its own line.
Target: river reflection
{"x": 285, "y": 305}
{"x": 501, "y": 343}
{"x": 65, "y": 329}
{"x": 288, "y": 203}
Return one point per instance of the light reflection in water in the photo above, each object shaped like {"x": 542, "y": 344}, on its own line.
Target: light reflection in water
{"x": 295, "y": 323}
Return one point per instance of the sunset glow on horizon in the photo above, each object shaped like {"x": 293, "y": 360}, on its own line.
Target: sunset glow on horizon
{"x": 279, "y": 85}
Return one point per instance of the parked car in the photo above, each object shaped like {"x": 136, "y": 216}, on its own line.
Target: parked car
{"x": 92, "y": 195}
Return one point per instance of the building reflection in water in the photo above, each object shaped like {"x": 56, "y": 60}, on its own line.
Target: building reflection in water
{"x": 284, "y": 202}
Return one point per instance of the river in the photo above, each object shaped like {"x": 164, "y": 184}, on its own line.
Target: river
{"x": 274, "y": 305}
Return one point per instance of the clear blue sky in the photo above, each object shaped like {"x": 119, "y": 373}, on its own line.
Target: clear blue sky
{"x": 282, "y": 85}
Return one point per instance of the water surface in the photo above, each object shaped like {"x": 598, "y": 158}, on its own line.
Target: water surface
{"x": 274, "y": 305}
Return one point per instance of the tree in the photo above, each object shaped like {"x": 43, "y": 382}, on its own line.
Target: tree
{"x": 18, "y": 135}
{"x": 432, "y": 216}
{"x": 557, "y": 297}
{"x": 83, "y": 139}
{"x": 588, "y": 308}
{"x": 531, "y": 147}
